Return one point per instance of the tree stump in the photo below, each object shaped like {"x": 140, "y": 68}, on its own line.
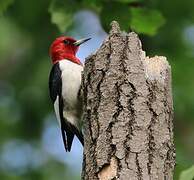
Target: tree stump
{"x": 128, "y": 112}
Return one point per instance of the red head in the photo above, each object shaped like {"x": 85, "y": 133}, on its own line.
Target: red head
{"x": 65, "y": 48}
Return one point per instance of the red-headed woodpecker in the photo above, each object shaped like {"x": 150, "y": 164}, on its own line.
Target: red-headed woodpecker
{"x": 65, "y": 87}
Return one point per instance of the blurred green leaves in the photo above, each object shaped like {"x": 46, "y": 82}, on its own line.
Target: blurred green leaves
{"x": 146, "y": 21}
{"x": 130, "y": 16}
{"x": 122, "y": 15}
{"x": 127, "y": 1}
{"x": 4, "y": 4}
{"x": 187, "y": 174}
{"x": 62, "y": 13}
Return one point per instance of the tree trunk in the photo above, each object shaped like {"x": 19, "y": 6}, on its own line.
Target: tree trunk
{"x": 128, "y": 128}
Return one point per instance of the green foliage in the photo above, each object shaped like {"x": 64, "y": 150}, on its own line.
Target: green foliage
{"x": 140, "y": 19}
{"x": 146, "y": 21}
{"x": 187, "y": 174}
{"x": 127, "y": 1}
{"x": 122, "y": 15}
{"x": 62, "y": 14}
{"x": 4, "y": 4}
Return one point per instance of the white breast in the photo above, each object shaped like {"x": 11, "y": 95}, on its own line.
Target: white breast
{"x": 71, "y": 80}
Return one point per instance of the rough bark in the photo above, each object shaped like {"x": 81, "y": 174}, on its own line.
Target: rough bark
{"x": 128, "y": 126}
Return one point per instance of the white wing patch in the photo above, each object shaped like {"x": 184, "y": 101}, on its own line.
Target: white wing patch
{"x": 56, "y": 107}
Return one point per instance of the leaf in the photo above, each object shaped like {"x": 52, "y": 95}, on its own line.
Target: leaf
{"x": 128, "y": 1}
{"x": 146, "y": 21}
{"x": 94, "y": 5}
{"x": 4, "y": 4}
{"x": 115, "y": 11}
{"x": 62, "y": 13}
{"x": 187, "y": 174}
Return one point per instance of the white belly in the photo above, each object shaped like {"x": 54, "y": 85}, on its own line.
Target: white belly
{"x": 71, "y": 81}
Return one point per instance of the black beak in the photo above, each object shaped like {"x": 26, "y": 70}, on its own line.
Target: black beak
{"x": 81, "y": 41}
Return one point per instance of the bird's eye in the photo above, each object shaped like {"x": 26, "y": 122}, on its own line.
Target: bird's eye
{"x": 66, "y": 42}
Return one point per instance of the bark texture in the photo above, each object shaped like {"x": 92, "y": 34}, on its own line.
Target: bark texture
{"x": 128, "y": 126}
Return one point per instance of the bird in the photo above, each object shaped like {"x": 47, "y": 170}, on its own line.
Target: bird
{"x": 65, "y": 88}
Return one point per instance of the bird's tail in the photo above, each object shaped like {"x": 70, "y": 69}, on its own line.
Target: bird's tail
{"x": 77, "y": 132}
{"x": 68, "y": 135}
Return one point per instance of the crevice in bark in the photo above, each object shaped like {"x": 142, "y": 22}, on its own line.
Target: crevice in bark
{"x": 139, "y": 170}
{"x": 151, "y": 143}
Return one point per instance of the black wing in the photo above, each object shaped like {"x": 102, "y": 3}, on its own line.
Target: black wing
{"x": 55, "y": 82}
{"x": 67, "y": 129}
